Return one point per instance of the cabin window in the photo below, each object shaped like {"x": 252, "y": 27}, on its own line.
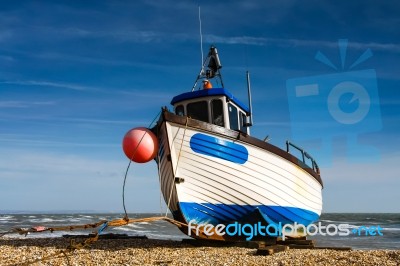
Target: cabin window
{"x": 179, "y": 110}
{"x": 233, "y": 117}
{"x": 198, "y": 110}
{"x": 217, "y": 113}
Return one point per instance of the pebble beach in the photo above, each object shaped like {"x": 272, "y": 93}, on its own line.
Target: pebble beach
{"x": 168, "y": 252}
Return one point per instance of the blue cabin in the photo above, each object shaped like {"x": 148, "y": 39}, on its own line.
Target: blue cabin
{"x": 215, "y": 106}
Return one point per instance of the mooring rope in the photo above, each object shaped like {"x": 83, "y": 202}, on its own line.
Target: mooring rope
{"x": 101, "y": 225}
{"x": 129, "y": 164}
{"x": 6, "y": 233}
{"x": 85, "y": 244}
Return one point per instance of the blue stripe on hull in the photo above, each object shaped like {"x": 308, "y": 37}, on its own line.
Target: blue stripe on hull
{"x": 219, "y": 148}
{"x": 226, "y": 213}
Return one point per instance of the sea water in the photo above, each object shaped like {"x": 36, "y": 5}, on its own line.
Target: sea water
{"x": 388, "y": 222}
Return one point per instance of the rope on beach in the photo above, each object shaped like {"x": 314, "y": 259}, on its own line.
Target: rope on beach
{"x": 101, "y": 225}
{"x": 112, "y": 223}
{"x": 64, "y": 253}
{"x": 6, "y": 233}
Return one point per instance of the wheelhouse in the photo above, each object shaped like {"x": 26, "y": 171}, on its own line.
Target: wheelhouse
{"x": 215, "y": 106}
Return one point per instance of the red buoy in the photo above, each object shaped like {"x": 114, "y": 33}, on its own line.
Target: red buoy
{"x": 140, "y": 145}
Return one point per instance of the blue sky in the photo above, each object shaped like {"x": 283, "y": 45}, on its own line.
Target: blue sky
{"x": 75, "y": 76}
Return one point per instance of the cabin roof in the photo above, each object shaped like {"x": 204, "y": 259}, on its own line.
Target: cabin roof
{"x": 210, "y": 92}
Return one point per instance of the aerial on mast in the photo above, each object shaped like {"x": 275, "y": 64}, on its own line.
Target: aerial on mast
{"x": 201, "y": 39}
{"x": 212, "y": 61}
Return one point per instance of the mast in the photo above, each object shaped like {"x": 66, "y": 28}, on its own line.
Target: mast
{"x": 212, "y": 65}
{"x": 250, "y": 115}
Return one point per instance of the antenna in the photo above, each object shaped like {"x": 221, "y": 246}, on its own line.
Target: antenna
{"x": 250, "y": 115}
{"x": 212, "y": 62}
{"x": 201, "y": 42}
{"x": 202, "y": 53}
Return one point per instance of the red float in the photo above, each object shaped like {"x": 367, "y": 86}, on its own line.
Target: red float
{"x": 140, "y": 145}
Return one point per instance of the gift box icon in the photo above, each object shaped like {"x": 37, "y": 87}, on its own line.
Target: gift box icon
{"x": 345, "y": 103}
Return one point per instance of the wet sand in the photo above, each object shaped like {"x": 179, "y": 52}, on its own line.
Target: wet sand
{"x": 166, "y": 252}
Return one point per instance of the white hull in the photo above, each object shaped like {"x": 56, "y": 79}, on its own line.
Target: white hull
{"x": 215, "y": 190}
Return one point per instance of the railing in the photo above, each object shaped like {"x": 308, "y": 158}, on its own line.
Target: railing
{"x": 304, "y": 155}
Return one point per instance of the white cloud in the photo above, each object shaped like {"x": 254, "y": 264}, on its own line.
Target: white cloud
{"x": 253, "y": 40}
{"x": 50, "y": 84}
{"x": 125, "y": 34}
{"x": 43, "y": 180}
{"x": 27, "y": 141}
{"x": 385, "y": 169}
{"x": 273, "y": 123}
{"x": 24, "y": 104}
{"x": 237, "y": 40}
{"x": 362, "y": 187}
{"x": 7, "y": 58}
{"x": 160, "y": 96}
{"x": 104, "y": 121}
{"x": 5, "y": 35}
{"x": 33, "y": 163}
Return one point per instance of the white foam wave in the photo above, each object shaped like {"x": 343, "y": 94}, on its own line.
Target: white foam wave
{"x": 75, "y": 220}
{"x": 133, "y": 226}
{"x": 86, "y": 216}
{"x": 46, "y": 220}
{"x": 390, "y": 229}
{"x": 41, "y": 220}
{"x": 328, "y": 221}
{"x": 7, "y": 218}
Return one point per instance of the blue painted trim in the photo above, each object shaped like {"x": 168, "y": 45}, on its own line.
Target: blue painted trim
{"x": 219, "y": 148}
{"x": 211, "y": 92}
{"x": 226, "y": 213}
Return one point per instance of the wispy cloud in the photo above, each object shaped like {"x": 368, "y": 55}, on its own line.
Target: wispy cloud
{"x": 45, "y": 167}
{"x": 24, "y": 104}
{"x": 50, "y": 84}
{"x": 121, "y": 34}
{"x": 251, "y": 40}
{"x": 134, "y": 36}
{"x": 141, "y": 36}
{"x": 71, "y": 120}
{"x": 77, "y": 87}
{"x": 383, "y": 170}
{"x": 58, "y": 180}
{"x": 387, "y": 47}
{"x": 274, "y": 124}
{"x": 237, "y": 40}
{"x": 105, "y": 121}
{"x": 7, "y": 58}
{"x": 5, "y": 35}
{"x": 29, "y": 142}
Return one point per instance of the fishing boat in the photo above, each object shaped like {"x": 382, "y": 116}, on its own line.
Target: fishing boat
{"x": 212, "y": 171}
